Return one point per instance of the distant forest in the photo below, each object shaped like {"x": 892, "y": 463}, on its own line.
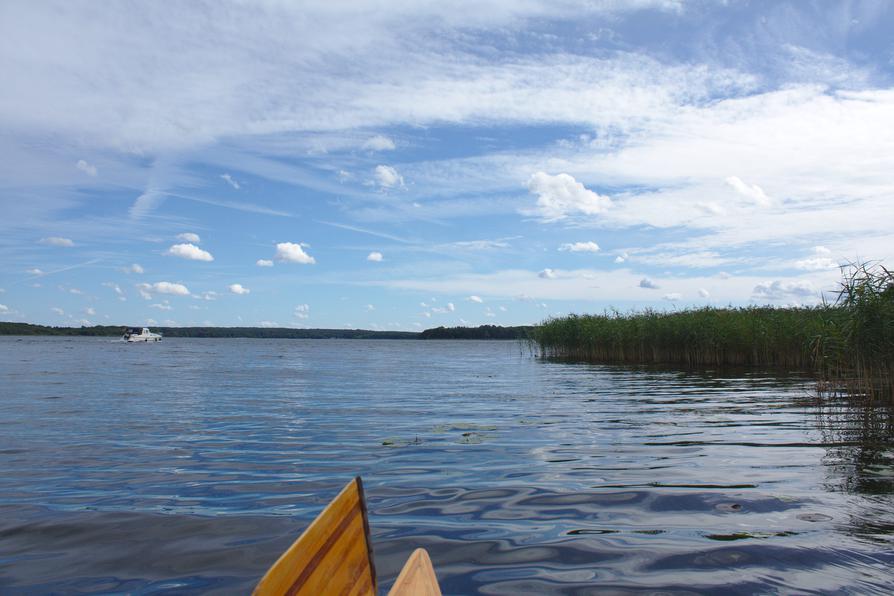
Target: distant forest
{"x": 482, "y": 332}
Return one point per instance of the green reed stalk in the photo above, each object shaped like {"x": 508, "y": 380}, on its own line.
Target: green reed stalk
{"x": 849, "y": 343}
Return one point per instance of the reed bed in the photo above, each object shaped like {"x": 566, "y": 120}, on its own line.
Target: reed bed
{"x": 848, "y": 343}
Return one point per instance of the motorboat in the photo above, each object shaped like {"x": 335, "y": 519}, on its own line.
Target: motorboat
{"x": 135, "y": 334}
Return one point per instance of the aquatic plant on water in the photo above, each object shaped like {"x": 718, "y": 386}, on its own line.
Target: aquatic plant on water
{"x": 849, "y": 343}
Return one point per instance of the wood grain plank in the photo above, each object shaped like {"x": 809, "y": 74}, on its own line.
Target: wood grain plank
{"x": 332, "y": 556}
{"x": 417, "y": 578}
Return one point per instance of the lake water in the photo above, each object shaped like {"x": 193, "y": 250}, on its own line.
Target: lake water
{"x": 190, "y": 465}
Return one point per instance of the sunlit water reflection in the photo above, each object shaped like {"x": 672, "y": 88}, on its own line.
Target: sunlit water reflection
{"x": 189, "y": 465}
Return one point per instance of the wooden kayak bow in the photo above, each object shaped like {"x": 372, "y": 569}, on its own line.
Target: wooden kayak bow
{"x": 334, "y": 556}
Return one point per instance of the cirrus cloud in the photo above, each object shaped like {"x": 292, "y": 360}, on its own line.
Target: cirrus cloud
{"x": 57, "y": 241}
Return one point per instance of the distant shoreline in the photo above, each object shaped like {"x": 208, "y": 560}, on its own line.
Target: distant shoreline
{"x": 481, "y": 332}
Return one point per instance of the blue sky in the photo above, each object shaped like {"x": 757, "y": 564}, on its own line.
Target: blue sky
{"x": 404, "y": 165}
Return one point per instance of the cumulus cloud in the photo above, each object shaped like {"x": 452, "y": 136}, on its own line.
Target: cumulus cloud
{"x": 648, "y": 284}
{"x": 189, "y": 237}
{"x": 85, "y": 167}
{"x": 375, "y": 257}
{"x": 579, "y": 247}
{"x": 561, "y": 195}
{"x": 475, "y": 299}
{"x": 238, "y": 289}
{"x": 379, "y": 143}
{"x": 230, "y": 180}
{"x": 388, "y": 177}
{"x": 621, "y": 257}
{"x": 780, "y": 290}
{"x": 189, "y": 251}
{"x": 4, "y": 308}
{"x": 816, "y": 264}
{"x": 163, "y": 287}
{"x": 264, "y": 263}
{"x": 133, "y": 268}
{"x": 820, "y": 261}
{"x": 289, "y": 252}
{"x": 704, "y": 293}
{"x": 547, "y": 274}
{"x": 57, "y": 241}
{"x": 302, "y": 311}
{"x": 753, "y": 192}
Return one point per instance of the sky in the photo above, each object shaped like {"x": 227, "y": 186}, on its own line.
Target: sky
{"x": 409, "y": 164}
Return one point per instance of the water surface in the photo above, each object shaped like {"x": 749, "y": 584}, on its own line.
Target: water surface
{"x": 190, "y": 465}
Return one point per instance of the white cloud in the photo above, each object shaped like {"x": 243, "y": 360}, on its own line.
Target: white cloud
{"x": 753, "y": 192}
{"x": 114, "y": 286}
{"x": 189, "y": 237}
{"x": 208, "y": 296}
{"x": 85, "y": 167}
{"x": 90, "y": 311}
{"x": 289, "y": 252}
{"x": 58, "y": 311}
{"x": 189, "y": 251}
{"x": 238, "y": 289}
{"x": 57, "y": 241}
{"x": 388, "y": 177}
{"x": 547, "y": 274}
{"x": 379, "y": 143}
{"x": 370, "y": 307}
{"x": 475, "y": 299}
{"x": 450, "y": 307}
{"x": 561, "y": 195}
{"x": 164, "y": 305}
{"x": 268, "y": 324}
{"x": 502, "y": 308}
{"x": 816, "y": 264}
{"x": 648, "y": 284}
{"x": 35, "y": 271}
{"x": 780, "y": 290}
{"x": 133, "y": 268}
{"x": 4, "y": 308}
{"x": 75, "y": 291}
{"x": 621, "y": 257}
{"x": 374, "y": 256}
{"x": 821, "y": 250}
{"x": 579, "y": 247}
{"x": 231, "y": 181}
{"x": 264, "y": 263}
{"x": 163, "y": 287}
{"x": 302, "y": 311}
{"x": 673, "y": 296}
{"x": 704, "y": 293}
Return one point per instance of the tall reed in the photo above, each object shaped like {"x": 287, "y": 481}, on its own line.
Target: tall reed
{"x": 849, "y": 343}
